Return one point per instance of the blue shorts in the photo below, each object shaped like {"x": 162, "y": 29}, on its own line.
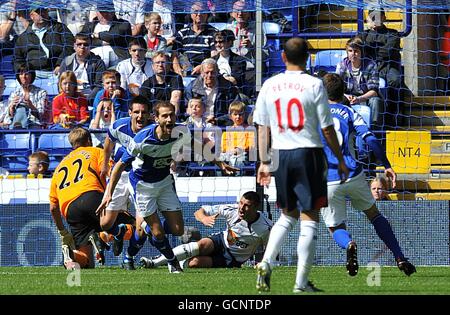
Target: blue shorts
{"x": 301, "y": 179}
{"x": 221, "y": 258}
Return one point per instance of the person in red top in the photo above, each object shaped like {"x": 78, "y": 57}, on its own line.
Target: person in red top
{"x": 70, "y": 108}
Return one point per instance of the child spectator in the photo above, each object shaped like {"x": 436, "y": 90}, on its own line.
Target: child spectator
{"x": 361, "y": 80}
{"x": 70, "y": 108}
{"x": 379, "y": 187}
{"x": 112, "y": 90}
{"x": 197, "y": 120}
{"x": 104, "y": 118}
{"x": 154, "y": 41}
{"x": 38, "y": 163}
{"x": 237, "y": 141}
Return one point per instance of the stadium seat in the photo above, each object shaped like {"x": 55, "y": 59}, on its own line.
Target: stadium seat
{"x": 275, "y": 64}
{"x": 219, "y": 25}
{"x": 48, "y": 84}
{"x": 271, "y": 28}
{"x": 14, "y": 151}
{"x": 56, "y": 145}
{"x": 362, "y": 147}
{"x": 7, "y": 67}
{"x": 327, "y": 60}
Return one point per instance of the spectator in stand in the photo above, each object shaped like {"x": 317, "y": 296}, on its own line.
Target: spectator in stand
{"x": 361, "y": 80}
{"x": 215, "y": 91}
{"x": 238, "y": 141}
{"x": 133, "y": 12}
{"x": 135, "y": 70}
{"x": 5, "y": 120}
{"x": 379, "y": 188}
{"x": 75, "y": 14}
{"x": 44, "y": 44}
{"x": 70, "y": 108}
{"x": 87, "y": 66}
{"x": 38, "y": 163}
{"x": 194, "y": 42}
{"x": 154, "y": 41}
{"x": 12, "y": 24}
{"x": 28, "y": 104}
{"x": 168, "y": 29}
{"x": 382, "y": 44}
{"x": 109, "y": 35}
{"x": 104, "y": 118}
{"x": 112, "y": 90}
{"x": 231, "y": 66}
{"x": 164, "y": 85}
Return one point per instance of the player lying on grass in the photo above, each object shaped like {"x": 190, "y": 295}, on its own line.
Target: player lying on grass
{"x": 151, "y": 153}
{"x": 247, "y": 229}
{"x": 349, "y": 123}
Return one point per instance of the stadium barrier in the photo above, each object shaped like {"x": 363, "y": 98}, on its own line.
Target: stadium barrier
{"x": 28, "y": 236}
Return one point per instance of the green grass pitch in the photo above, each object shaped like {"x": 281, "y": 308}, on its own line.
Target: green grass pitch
{"x": 103, "y": 280}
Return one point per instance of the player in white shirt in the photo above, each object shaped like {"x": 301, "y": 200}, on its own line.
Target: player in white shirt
{"x": 294, "y": 107}
{"x": 247, "y": 229}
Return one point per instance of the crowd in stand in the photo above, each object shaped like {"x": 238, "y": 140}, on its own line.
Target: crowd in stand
{"x": 108, "y": 53}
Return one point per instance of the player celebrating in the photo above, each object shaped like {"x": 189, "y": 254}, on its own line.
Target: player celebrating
{"x": 121, "y": 132}
{"x": 347, "y": 124}
{"x": 151, "y": 152}
{"x": 76, "y": 190}
{"x": 293, "y": 105}
{"x": 247, "y": 229}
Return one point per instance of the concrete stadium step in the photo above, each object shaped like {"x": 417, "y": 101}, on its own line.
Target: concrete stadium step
{"x": 424, "y": 185}
{"x": 332, "y": 43}
{"x": 351, "y": 14}
{"x": 420, "y": 196}
{"x": 419, "y": 117}
{"x": 427, "y": 102}
{"x": 336, "y": 26}
{"x": 440, "y": 159}
{"x": 425, "y": 127}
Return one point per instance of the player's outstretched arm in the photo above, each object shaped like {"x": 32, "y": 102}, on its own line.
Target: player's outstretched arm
{"x": 66, "y": 236}
{"x": 115, "y": 176}
{"x": 330, "y": 136}
{"x": 228, "y": 169}
{"x": 108, "y": 148}
{"x": 380, "y": 154}
{"x": 207, "y": 220}
{"x": 263, "y": 174}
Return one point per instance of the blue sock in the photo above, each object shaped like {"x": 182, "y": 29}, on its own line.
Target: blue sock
{"x": 385, "y": 233}
{"x": 164, "y": 247}
{"x": 166, "y": 226}
{"x": 116, "y": 229}
{"x": 136, "y": 244}
{"x": 147, "y": 230}
{"x": 342, "y": 238}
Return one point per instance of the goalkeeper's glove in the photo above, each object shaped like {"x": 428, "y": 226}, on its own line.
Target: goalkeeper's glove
{"x": 67, "y": 239}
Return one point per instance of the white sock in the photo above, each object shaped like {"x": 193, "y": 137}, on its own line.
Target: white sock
{"x": 181, "y": 252}
{"x": 306, "y": 248}
{"x": 277, "y": 237}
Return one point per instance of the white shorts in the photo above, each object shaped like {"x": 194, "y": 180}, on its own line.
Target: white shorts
{"x": 149, "y": 197}
{"x": 360, "y": 196}
{"x": 121, "y": 194}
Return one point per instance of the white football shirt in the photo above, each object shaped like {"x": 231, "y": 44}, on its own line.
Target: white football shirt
{"x": 294, "y": 105}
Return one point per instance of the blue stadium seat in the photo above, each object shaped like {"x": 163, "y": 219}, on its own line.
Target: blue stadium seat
{"x": 56, "y": 145}
{"x": 327, "y": 60}
{"x": 7, "y": 67}
{"x": 219, "y": 25}
{"x": 362, "y": 147}
{"x": 10, "y": 86}
{"x": 271, "y": 28}
{"x": 275, "y": 63}
{"x": 48, "y": 84}
{"x": 14, "y": 151}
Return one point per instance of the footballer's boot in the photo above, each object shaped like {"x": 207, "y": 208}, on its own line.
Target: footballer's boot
{"x": 174, "y": 266}
{"x": 99, "y": 247}
{"x": 118, "y": 240}
{"x": 146, "y": 262}
{"x": 310, "y": 287}
{"x": 263, "y": 272}
{"x": 404, "y": 265}
{"x": 128, "y": 263}
{"x": 352, "y": 259}
{"x": 69, "y": 262}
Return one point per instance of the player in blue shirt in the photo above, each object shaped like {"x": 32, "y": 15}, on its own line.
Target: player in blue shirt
{"x": 349, "y": 123}
{"x": 150, "y": 153}
{"x": 121, "y": 132}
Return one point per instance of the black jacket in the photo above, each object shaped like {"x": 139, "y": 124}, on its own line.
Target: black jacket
{"x": 238, "y": 66}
